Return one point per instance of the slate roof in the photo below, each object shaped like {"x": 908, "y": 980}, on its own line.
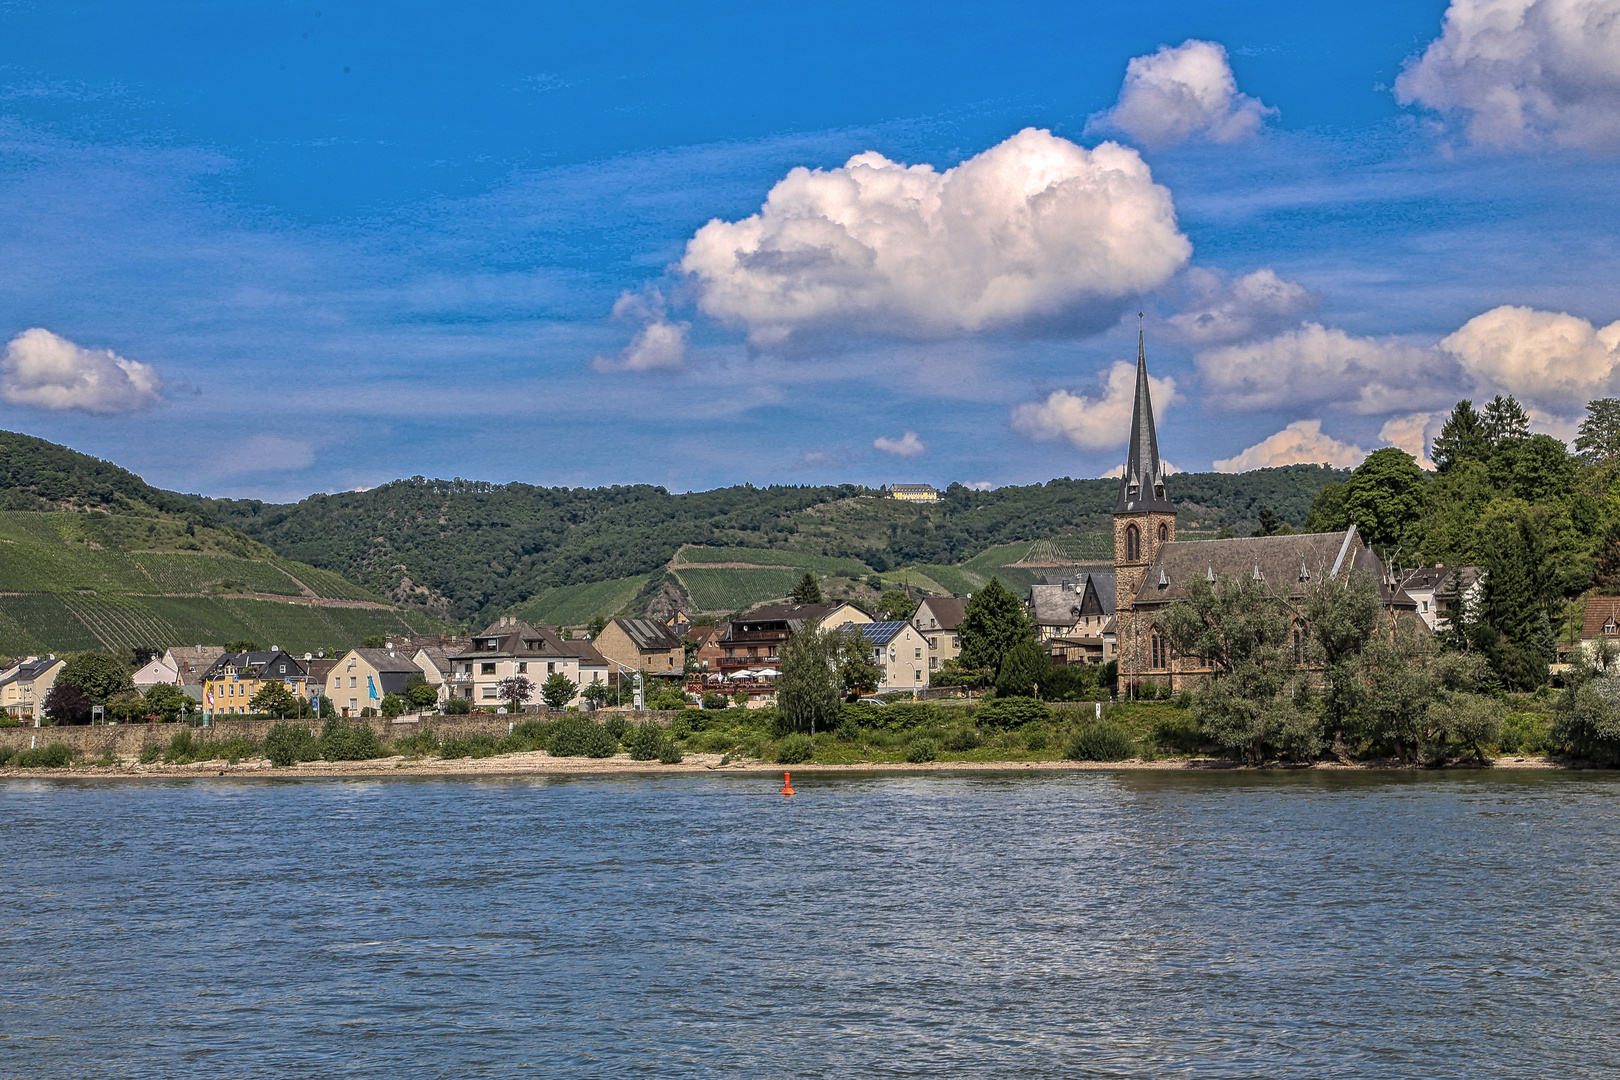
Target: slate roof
{"x": 1438, "y": 578}
{"x": 1601, "y": 611}
{"x": 438, "y": 655}
{"x": 385, "y": 661}
{"x": 29, "y": 670}
{"x": 1141, "y": 486}
{"x": 252, "y": 663}
{"x": 946, "y": 609}
{"x": 648, "y": 635}
{"x": 192, "y": 660}
{"x": 1287, "y": 565}
{"x": 1062, "y": 601}
{"x": 794, "y": 615}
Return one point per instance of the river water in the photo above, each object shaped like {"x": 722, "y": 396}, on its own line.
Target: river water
{"x": 1129, "y": 924}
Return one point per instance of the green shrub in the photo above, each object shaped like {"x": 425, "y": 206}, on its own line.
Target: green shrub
{"x": 150, "y": 754}
{"x": 349, "y": 742}
{"x": 793, "y": 749}
{"x": 1524, "y": 733}
{"x": 848, "y": 730}
{"x": 646, "y": 742}
{"x": 907, "y": 716}
{"x": 921, "y": 749}
{"x": 58, "y": 755}
{"x": 1179, "y": 733}
{"x": 578, "y": 736}
{"x": 1101, "y": 740}
{"x": 1035, "y": 736}
{"x": 285, "y": 744}
{"x": 10, "y": 721}
{"x": 962, "y": 738}
{"x": 668, "y": 699}
{"x": 480, "y": 745}
{"x": 617, "y": 725}
{"x": 670, "y": 754}
{"x": 716, "y": 701}
{"x": 421, "y": 744}
{"x": 712, "y": 742}
{"x": 6, "y": 754}
{"x": 681, "y": 726}
{"x": 457, "y": 706}
{"x": 1012, "y": 712}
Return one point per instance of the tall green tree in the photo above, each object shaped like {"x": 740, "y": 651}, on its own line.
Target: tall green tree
{"x": 1461, "y": 438}
{"x": 851, "y": 657}
{"x": 558, "y": 690}
{"x": 1386, "y": 500}
{"x": 1254, "y": 700}
{"x": 1328, "y": 512}
{"x": 1023, "y": 670}
{"x": 1504, "y": 418}
{"x": 274, "y": 699}
{"x": 808, "y": 590}
{"x": 100, "y": 675}
{"x": 1341, "y": 615}
{"x": 807, "y": 691}
{"x": 993, "y": 622}
{"x": 896, "y": 605}
{"x": 1535, "y": 468}
{"x": 1598, "y": 440}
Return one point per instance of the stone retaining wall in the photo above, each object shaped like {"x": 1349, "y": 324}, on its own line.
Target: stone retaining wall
{"x": 128, "y": 740}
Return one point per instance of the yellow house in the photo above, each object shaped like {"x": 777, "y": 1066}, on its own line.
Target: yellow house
{"x": 228, "y": 686}
{"x": 914, "y": 492}
{"x": 23, "y": 686}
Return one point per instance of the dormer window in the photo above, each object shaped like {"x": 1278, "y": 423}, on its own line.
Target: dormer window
{"x": 1611, "y": 628}
{"x": 1132, "y": 491}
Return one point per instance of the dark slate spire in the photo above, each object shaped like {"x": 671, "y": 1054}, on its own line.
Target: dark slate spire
{"x": 1142, "y": 486}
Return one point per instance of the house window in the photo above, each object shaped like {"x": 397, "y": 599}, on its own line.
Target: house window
{"x": 933, "y": 663}
{"x": 282, "y": 669}
{"x": 918, "y": 655}
{"x": 1299, "y": 648}
{"x": 1133, "y": 543}
{"x": 933, "y": 643}
{"x": 523, "y": 667}
{"x": 352, "y": 682}
{"x": 1425, "y": 605}
{"x": 486, "y": 669}
{"x": 489, "y": 691}
{"x": 551, "y": 668}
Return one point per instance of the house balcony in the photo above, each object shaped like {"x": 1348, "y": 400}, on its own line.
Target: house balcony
{"x": 726, "y": 663}
{"x": 755, "y": 635}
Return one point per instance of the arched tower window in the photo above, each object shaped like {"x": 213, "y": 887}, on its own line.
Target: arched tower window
{"x": 1133, "y": 543}
{"x": 1164, "y": 533}
{"x": 1159, "y": 654}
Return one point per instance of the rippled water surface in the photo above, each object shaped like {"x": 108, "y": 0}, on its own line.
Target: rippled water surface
{"x": 1088, "y": 924}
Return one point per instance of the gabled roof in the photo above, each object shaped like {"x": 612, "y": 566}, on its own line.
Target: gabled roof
{"x": 1063, "y": 604}
{"x": 1286, "y": 564}
{"x": 1601, "y": 611}
{"x": 794, "y": 615}
{"x": 648, "y": 635}
{"x": 946, "y": 610}
{"x": 437, "y": 655}
{"x": 253, "y": 663}
{"x": 878, "y": 633}
{"x": 387, "y": 662}
{"x": 29, "y": 670}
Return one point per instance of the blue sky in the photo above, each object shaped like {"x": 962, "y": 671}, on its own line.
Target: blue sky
{"x": 271, "y": 249}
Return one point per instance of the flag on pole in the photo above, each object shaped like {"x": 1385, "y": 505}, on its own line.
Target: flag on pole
{"x": 371, "y": 686}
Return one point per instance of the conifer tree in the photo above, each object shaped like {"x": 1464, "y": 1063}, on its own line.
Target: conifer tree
{"x": 1598, "y": 441}
{"x": 808, "y": 590}
{"x": 993, "y": 621}
{"x": 1462, "y": 438}
{"x": 1503, "y": 419}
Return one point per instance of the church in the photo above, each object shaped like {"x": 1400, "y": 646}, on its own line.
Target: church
{"x": 1152, "y": 569}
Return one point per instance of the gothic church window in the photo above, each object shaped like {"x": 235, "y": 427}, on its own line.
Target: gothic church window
{"x": 1133, "y": 543}
{"x": 1164, "y": 533}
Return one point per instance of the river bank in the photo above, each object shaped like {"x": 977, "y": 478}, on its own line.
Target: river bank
{"x": 539, "y": 763}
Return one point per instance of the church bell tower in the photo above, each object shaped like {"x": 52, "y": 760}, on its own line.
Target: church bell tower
{"x": 1144, "y": 519}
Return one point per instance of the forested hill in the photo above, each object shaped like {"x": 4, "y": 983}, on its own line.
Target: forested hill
{"x": 40, "y": 475}
{"x": 465, "y": 549}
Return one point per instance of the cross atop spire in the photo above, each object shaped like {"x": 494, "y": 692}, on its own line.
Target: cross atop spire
{"x": 1142, "y": 486}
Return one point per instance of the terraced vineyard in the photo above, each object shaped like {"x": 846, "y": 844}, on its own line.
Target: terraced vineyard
{"x": 821, "y": 564}
{"x": 732, "y": 590}
{"x": 183, "y": 572}
{"x": 573, "y": 605}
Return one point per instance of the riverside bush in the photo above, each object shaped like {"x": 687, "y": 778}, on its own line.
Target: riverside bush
{"x": 962, "y": 738}
{"x": 58, "y": 755}
{"x": 670, "y": 754}
{"x": 1101, "y": 740}
{"x": 921, "y": 749}
{"x": 1012, "y": 712}
{"x": 1179, "y": 733}
{"x": 480, "y": 745}
{"x": 1524, "y": 733}
{"x": 1035, "y": 736}
{"x": 793, "y": 749}
{"x": 185, "y": 748}
{"x": 646, "y": 742}
{"x": 349, "y": 742}
{"x": 421, "y": 744}
{"x": 6, "y": 754}
{"x": 577, "y": 736}
{"x": 618, "y": 725}
{"x": 286, "y": 744}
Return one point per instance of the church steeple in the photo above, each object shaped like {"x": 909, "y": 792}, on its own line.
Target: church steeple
{"x": 1142, "y": 486}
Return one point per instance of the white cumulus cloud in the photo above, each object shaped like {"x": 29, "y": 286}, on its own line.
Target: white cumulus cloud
{"x": 980, "y": 485}
{"x": 1414, "y": 433}
{"x": 1119, "y": 470}
{"x": 907, "y": 445}
{"x": 1035, "y": 233}
{"x": 1315, "y": 364}
{"x": 1177, "y": 93}
{"x": 1524, "y": 73}
{"x": 50, "y": 372}
{"x": 1302, "y": 442}
{"x": 1255, "y": 304}
{"x": 1092, "y": 423}
{"x": 660, "y": 344}
{"x": 1550, "y": 359}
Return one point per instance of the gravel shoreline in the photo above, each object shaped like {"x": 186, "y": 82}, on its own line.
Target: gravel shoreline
{"x": 539, "y": 763}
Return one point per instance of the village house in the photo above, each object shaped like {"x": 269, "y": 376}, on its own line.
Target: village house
{"x": 1152, "y": 570}
{"x": 914, "y": 492}
{"x": 1435, "y": 589}
{"x": 189, "y": 663}
{"x": 510, "y": 647}
{"x": 24, "y": 685}
{"x": 361, "y": 678}
{"x": 899, "y": 652}
{"x": 152, "y": 673}
{"x": 1600, "y": 625}
{"x": 702, "y": 640}
{"x": 938, "y": 619}
{"x": 1074, "y": 617}
{"x": 643, "y": 644}
{"x": 753, "y": 642}
{"x": 231, "y": 681}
